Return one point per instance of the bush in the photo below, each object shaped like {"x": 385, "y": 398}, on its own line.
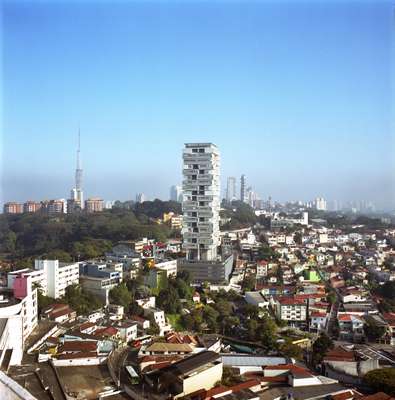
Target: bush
{"x": 381, "y": 380}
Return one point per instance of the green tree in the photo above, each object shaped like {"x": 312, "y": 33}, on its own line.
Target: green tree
{"x": 252, "y": 326}
{"x": 120, "y": 295}
{"x": 9, "y": 242}
{"x": 229, "y": 378}
{"x": 331, "y": 297}
{"x": 80, "y": 300}
{"x": 229, "y": 323}
{"x": 373, "y": 331}
{"x": 388, "y": 290}
{"x": 211, "y": 316}
{"x": 291, "y": 350}
{"x": 169, "y": 300}
{"x": 381, "y": 380}
{"x": 320, "y": 347}
{"x": 60, "y": 255}
{"x": 153, "y": 327}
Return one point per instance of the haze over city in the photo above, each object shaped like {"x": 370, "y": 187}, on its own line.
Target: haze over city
{"x": 297, "y": 96}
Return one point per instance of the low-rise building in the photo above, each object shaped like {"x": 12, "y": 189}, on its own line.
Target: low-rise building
{"x": 318, "y": 321}
{"x": 257, "y": 299}
{"x": 199, "y": 371}
{"x": 350, "y": 327}
{"x": 127, "y": 330}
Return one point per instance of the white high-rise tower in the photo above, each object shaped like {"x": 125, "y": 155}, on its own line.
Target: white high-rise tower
{"x": 201, "y": 201}
{"x": 77, "y": 194}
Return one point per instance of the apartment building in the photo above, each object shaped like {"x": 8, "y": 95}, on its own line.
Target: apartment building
{"x": 57, "y": 276}
{"x": 13, "y": 208}
{"x": 18, "y": 316}
{"x": 31, "y": 206}
{"x": 201, "y": 202}
{"x": 94, "y": 204}
{"x": 99, "y": 279}
{"x": 291, "y": 310}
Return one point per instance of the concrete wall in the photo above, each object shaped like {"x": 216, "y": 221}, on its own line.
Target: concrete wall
{"x": 203, "y": 380}
{"x": 354, "y": 369}
{"x": 79, "y": 362}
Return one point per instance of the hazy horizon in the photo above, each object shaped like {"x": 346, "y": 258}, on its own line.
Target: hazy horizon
{"x": 296, "y": 95}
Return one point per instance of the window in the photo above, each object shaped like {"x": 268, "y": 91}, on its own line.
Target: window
{"x": 201, "y": 219}
{"x": 202, "y": 203}
{"x": 201, "y": 171}
{"x": 194, "y": 177}
{"x": 194, "y": 150}
{"x": 201, "y": 150}
{"x": 194, "y": 198}
{"x": 201, "y": 187}
{"x": 194, "y": 214}
{"x": 195, "y": 166}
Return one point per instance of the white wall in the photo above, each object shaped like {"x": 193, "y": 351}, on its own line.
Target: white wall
{"x": 79, "y": 361}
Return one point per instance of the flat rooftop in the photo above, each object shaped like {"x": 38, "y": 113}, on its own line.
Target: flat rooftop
{"x": 239, "y": 360}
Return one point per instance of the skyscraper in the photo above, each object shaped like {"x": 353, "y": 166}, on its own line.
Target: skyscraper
{"x": 176, "y": 193}
{"x": 320, "y": 203}
{"x": 230, "y": 189}
{"x": 140, "y": 198}
{"x": 201, "y": 201}
{"x": 243, "y": 189}
{"x": 77, "y": 195}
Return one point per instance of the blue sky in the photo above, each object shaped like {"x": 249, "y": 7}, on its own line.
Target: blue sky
{"x": 297, "y": 95}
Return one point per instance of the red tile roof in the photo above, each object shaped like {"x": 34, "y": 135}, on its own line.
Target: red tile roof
{"x": 107, "y": 331}
{"x": 82, "y": 354}
{"x": 291, "y": 301}
{"x": 317, "y": 314}
{"x": 78, "y": 346}
{"x": 347, "y": 395}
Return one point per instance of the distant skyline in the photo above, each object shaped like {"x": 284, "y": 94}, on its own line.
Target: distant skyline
{"x": 298, "y": 96}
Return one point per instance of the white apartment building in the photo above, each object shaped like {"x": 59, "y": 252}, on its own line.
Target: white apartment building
{"x": 291, "y": 310}
{"x": 201, "y": 201}
{"x": 18, "y": 318}
{"x": 320, "y": 204}
{"x": 38, "y": 278}
{"x": 58, "y": 275}
{"x": 170, "y": 266}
